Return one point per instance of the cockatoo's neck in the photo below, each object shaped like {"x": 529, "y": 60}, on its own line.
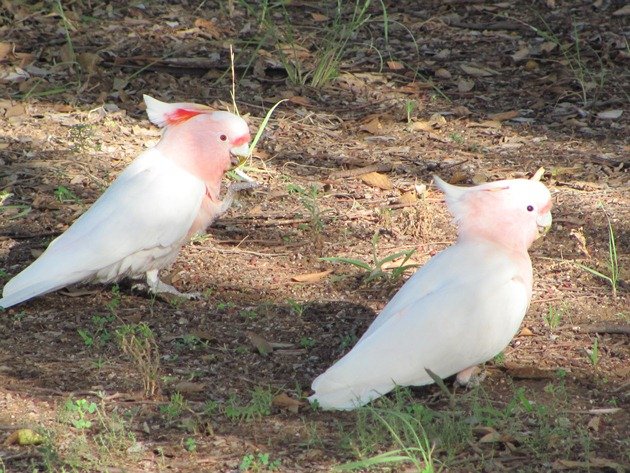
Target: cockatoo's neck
{"x": 188, "y": 151}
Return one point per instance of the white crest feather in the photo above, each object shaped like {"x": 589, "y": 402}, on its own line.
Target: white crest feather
{"x": 157, "y": 110}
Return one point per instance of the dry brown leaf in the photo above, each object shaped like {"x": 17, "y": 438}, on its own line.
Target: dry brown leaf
{"x": 89, "y": 62}
{"x": 548, "y": 46}
{"x": 593, "y": 462}
{"x": 408, "y": 198}
{"x": 311, "y": 277}
{"x": 437, "y": 120}
{"x": 477, "y": 71}
{"x": 465, "y": 85}
{"x": 531, "y": 65}
{"x": 594, "y": 423}
{"x": 395, "y": 65}
{"x": 457, "y": 177}
{"x": 283, "y": 401}
{"x": 209, "y": 27}
{"x": 479, "y": 178}
{"x": 188, "y": 387}
{"x": 16, "y": 110}
{"x": 421, "y": 126}
{"x": 528, "y": 371}
{"x": 623, "y": 11}
{"x": 486, "y": 124}
{"x": 578, "y": 234}
{"x": 262, "y": 345}
{"x": 376, "y": 179}
{"x": 525, "y": 332}
{"x": 521, "y": 54}
{"x": 491, "y": 437}
{"x": 373, "y": 126}
{"x": 66, "y": 53}
{"x": 319, "y": 17}
{"x": 443, "y": 73}
{"x": 504, "y": 115}
{"x": 481, "y": 430}
{"x": 461, "y": 111}
{"x": 298, "y": 99}
{"x": 5, "y": 49}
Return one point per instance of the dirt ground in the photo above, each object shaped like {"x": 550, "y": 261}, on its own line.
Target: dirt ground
{"x": 468, "y": 90}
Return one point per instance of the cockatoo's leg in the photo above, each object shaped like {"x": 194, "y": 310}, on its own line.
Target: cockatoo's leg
{"x": 231, "y": 192}
{"x": 470, "y": 377}
{"x": 158, "y": 287}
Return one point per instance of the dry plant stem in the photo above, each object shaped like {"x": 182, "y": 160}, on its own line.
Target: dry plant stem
{"x": 360, "y": 171}
{"x": 233, "y": 80}
{"x": 144, "y": 352}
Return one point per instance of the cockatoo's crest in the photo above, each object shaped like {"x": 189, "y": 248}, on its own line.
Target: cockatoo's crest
{"x": 166, "y": 114}
{"x": 509, "y": 211}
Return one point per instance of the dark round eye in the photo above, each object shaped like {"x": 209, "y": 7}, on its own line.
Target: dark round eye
{"x": 530, "y": 208}
{"x": 223, "y": 137}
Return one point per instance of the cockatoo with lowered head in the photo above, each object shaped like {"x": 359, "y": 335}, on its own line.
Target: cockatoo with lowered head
{"x": 138, "y": 226}
{"x": 460, "y": 309}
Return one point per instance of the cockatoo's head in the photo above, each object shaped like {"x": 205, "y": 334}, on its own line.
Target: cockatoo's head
{"x": 201, "y": 140}
{"x": 511, "y": 212}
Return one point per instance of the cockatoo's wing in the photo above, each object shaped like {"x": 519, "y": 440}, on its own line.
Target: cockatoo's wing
{"x": 425, "y": 280}
{"x": 151, "y": 206}
{"x": 462, "y": 314}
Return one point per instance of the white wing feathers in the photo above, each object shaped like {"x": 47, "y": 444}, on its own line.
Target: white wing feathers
{"x": 142, "y": 216}
{"x": 460, "y": 309}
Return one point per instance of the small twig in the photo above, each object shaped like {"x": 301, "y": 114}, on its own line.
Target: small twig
{"x": 267, "y": 223}
{"x": 598, "y": 411}
{"x": 361, "y": 171}
{"x": 233, "y": 80}
{"x": 495, "y": 26}
{"x": 605, "y": 327}
{"x": 236, "y": 250}
{"x": 623, "y": 387}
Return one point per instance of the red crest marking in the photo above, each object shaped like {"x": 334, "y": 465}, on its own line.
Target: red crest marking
{"x": 181, "y": 115}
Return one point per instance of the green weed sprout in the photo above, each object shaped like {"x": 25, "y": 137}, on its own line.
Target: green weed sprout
{"x": 612, "y": 264}
{"x": 375, "y": 269}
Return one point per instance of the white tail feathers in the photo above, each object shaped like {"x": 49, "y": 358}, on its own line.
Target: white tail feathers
{"x": 12, "y": 298}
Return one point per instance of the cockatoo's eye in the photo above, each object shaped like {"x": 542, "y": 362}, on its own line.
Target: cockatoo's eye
{"x": 223, "y": 137}
{"x": 530, "y": 208}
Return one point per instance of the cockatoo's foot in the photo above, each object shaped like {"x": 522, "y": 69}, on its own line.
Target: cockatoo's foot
{"x": 470, "y": 377}
{"x": 159, "y": 287}
{"x": 231, "y": 192}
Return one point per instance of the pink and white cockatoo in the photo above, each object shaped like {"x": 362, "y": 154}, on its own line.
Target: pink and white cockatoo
{"x": 461, "y": 309}
{"x": 138, "y": 226}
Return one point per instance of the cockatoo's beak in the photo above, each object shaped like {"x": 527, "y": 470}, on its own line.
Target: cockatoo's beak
{"x": 544, "y": 223}
{"x": 239, "y": 155}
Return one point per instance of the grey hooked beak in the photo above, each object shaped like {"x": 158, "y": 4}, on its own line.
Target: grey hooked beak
{"x": 239, "y": 154}
{"x": 544, "y": 223}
